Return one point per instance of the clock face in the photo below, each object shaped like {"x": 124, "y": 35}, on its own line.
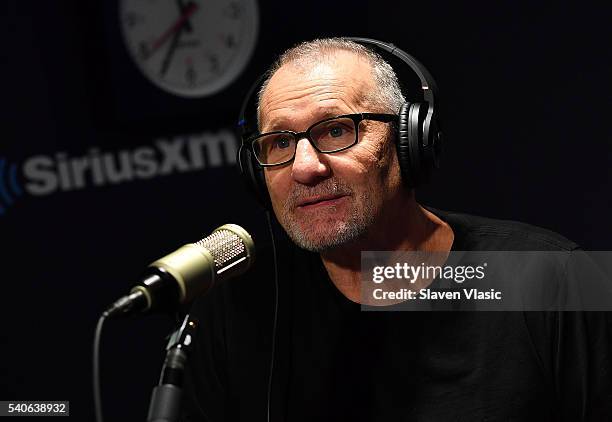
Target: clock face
{"x": 191, "y": 48}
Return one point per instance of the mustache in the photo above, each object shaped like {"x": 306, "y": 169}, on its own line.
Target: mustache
{"x": 326, "y": 187}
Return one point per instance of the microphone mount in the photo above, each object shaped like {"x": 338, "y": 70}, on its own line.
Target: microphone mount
{"x": 166, "y": 397}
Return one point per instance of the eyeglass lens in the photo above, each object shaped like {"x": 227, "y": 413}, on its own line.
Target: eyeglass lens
{"x": 327, "y": 136}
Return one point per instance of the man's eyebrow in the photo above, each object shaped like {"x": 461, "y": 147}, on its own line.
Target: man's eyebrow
{"x": 285, "y": 123}
{"x": 332, "y": 112}
{"x": 278, "y": 124}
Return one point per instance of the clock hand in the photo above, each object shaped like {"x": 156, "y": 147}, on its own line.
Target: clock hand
{"x": 182, "y": 7}
{"x": 170, "y": 52}
{"x": 178, "y": 24}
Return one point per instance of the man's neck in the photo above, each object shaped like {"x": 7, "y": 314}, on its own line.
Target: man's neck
{"x": 414, "y": 229}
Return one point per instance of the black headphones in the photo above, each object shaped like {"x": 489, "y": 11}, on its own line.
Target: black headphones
{"x": 419, "y": 140}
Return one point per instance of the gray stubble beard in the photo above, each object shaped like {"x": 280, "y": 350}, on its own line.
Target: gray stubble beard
{"x": 309, "y": 238}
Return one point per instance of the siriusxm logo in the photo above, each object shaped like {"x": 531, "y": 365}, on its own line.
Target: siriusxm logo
{"x": 9, "y": 186}
{"x": 48, "y": 174}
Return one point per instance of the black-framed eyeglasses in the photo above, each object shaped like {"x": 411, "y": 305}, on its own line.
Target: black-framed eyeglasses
{"x": 329, "y": 135}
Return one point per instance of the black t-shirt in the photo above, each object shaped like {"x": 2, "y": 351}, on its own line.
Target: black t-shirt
{"x": 333, "y": 361}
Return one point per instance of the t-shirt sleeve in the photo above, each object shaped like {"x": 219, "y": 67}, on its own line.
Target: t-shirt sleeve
{"x": 583, "y": 363}
{"x": 575, "y": 346}
{"x": 582, "y": 366}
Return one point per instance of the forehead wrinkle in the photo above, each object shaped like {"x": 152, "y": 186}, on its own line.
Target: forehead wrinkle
{"x": 319, "y": 84}
{"x": 293, "y": 92}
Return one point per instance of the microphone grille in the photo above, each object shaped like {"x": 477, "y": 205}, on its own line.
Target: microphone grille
{"x": 227, "y": 244}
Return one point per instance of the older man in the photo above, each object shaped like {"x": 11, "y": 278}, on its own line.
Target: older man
{"x": 341, "y": 203}
{"x": 327, "y": 143}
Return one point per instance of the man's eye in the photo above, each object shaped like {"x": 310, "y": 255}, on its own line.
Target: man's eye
{"x": 282, "y": 143}
{"x": 336, "y": 131}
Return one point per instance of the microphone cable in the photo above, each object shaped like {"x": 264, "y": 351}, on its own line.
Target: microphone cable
{"x": 272, "y": 355}
{"x": 96, "y": 368}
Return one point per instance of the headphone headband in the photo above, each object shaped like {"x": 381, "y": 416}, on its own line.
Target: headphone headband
{"x": 428, "y": 84}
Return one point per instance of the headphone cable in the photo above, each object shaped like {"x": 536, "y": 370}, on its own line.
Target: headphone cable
{"x": 96, "y": 368}
{"x": 272, "y": 357}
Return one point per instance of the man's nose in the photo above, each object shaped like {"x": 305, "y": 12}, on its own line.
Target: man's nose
{"x": 309, "y": 166}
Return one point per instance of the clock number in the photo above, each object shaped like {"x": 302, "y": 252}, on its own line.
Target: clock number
{"x": 213, "y": 63}
{"x": 191, "y": 76}
{"x": 230, "y": 41}
{"x": 233, "y": 10}
{"x": 143, "y": 50}
{"x": 132, "y": 18}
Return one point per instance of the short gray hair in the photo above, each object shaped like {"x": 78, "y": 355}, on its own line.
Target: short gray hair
{"x": 387, "y": 93}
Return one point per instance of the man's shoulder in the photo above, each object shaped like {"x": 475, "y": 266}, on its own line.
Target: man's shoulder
{"x": 484, "y": 233}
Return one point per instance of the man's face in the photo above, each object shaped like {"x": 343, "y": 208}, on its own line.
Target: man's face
{"x": 326, "y": 200}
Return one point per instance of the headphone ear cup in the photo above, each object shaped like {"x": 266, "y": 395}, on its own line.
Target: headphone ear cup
{"x": 403, "y": 146}
{"x": 409, "y": 143}
{"x": 415, "y": 142}
{"x": 432, "y": 143}
{"x": 253, "y": 176}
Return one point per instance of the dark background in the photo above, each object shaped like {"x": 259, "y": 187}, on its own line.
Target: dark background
{"x": 525, "y": 100}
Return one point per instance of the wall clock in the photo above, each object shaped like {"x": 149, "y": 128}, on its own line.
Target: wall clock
{"x": 190, "y": 48}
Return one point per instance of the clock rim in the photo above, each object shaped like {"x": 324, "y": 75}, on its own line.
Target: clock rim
{"x": 235, "y": 68}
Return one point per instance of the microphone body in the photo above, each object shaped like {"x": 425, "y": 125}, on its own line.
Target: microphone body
{"x": 182, "y": 275}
